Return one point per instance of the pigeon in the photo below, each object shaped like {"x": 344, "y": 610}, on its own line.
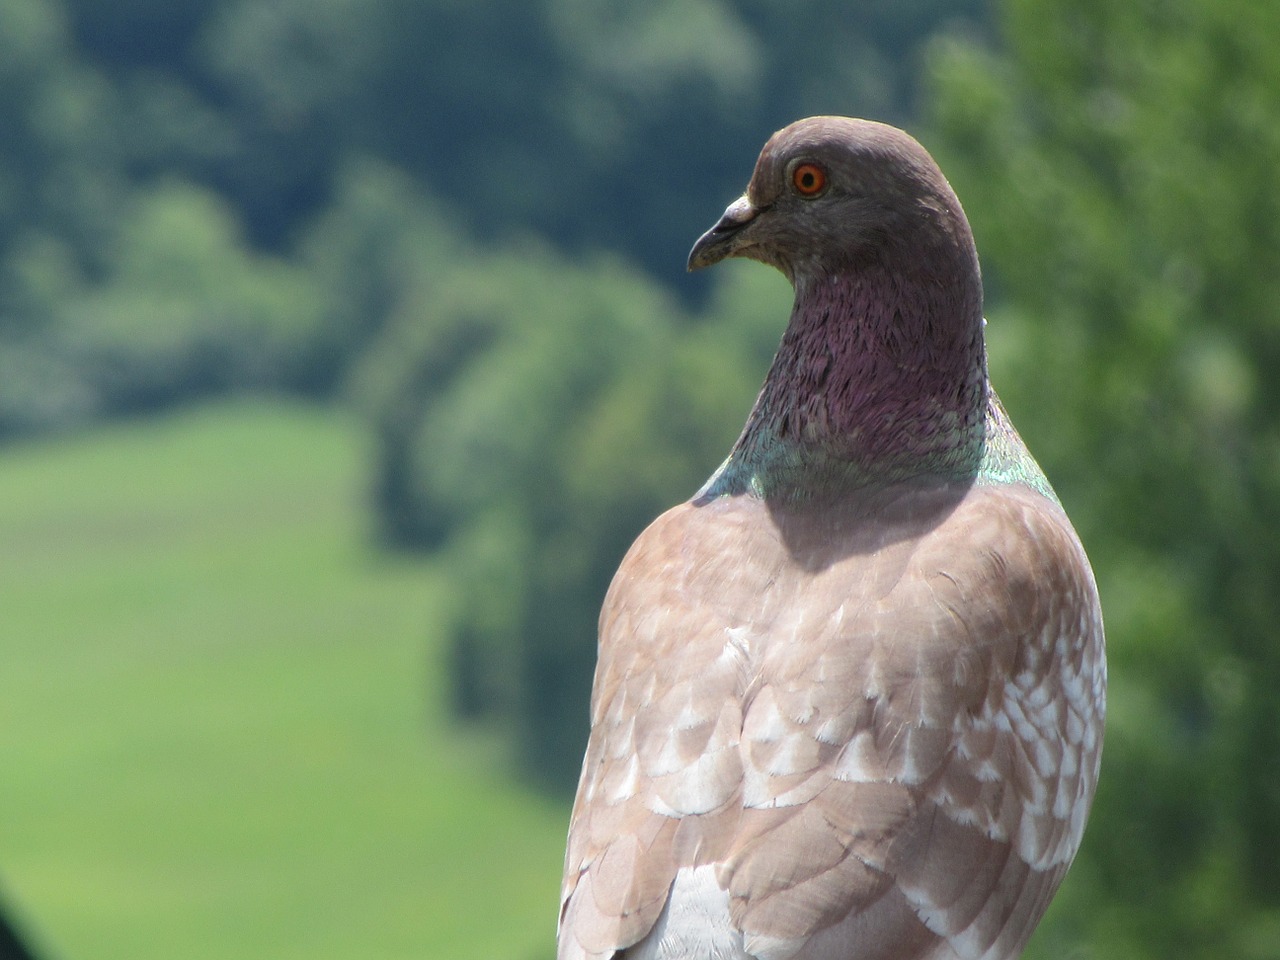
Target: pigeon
{"x": 849, "y": 698}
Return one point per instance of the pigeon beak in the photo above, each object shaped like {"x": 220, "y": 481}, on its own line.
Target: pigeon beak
{"x": 725, "y": 238}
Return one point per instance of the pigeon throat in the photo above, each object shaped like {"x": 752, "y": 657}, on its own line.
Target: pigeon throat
{"x": 880, "y": 377}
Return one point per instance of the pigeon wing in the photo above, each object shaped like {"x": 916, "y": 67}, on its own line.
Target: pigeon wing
{"x": 873, "y": 727}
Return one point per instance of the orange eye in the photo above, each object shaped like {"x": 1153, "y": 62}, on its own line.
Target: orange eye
{"x": 809, "y": 179}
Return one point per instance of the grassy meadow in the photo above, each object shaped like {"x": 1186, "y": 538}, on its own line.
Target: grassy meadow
{"x": 220, "y": 712}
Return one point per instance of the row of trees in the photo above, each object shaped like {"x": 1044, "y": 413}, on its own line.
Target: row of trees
{"x": 176, "y": 174}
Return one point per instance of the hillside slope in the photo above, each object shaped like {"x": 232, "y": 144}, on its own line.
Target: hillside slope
{"x": 219, "y": 712}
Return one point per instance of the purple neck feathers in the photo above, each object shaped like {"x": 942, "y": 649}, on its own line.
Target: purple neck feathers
{"x": 881, "y": 374}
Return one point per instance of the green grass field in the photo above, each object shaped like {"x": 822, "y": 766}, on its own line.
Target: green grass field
{"x": 220, "y": 721}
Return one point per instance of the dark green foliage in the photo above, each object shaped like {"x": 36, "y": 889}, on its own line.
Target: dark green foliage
{"x": 1121, "y": 165}
{"x": 125, "y": 283}
{"x": 227, "y": 132}
{"x": 515, "y": 396}
{"x": 13, "y": 940}
{"x": 582, "y": 119}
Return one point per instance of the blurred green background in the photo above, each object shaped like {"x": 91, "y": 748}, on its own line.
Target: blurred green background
{"x": 345, "y": 345}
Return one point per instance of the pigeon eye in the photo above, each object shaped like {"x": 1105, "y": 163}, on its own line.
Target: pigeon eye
{"x": 808, "y": 179}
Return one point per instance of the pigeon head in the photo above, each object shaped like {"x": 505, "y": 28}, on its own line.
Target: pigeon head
{"x": 832, "y": 194}
{"x": 882, "y": 366}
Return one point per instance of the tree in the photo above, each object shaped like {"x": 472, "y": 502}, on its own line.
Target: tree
{"x": 1121, "y": 166}
{"x": 532, "y": 414}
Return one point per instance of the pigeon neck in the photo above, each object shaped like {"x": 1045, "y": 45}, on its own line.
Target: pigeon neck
{"x": 880, "y": 377}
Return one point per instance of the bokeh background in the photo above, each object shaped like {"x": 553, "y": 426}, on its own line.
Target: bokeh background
{"x": 346, "y": 344}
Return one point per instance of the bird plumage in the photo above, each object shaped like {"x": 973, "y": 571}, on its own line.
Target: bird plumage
{"x": 849, "y": 698}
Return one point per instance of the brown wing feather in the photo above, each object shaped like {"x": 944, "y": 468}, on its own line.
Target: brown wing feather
{"x": 879, "y": 721}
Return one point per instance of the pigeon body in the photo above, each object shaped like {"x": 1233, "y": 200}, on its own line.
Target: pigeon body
{"x": 849, "y": 698}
